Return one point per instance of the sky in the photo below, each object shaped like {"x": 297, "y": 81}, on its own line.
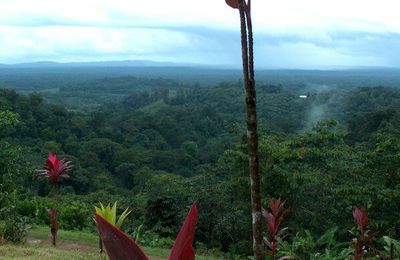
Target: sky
{"x": 308, "y": 34}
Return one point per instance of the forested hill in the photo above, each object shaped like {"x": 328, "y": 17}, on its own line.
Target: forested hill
{"x": 42, "y": 77}
{"x": 175, "y": 130}
{"x": 167, "y": 144}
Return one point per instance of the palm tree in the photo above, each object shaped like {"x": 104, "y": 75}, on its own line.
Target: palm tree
{"x": 55, "y": 169}
{"x": 252, "y": 138}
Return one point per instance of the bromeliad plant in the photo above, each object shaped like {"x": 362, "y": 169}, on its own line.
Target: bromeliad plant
{"x": 110, "y": 214}
{"x": 273, "y": 218}
{"x": 362, "y": 237}
{"x": 54, "y": 169}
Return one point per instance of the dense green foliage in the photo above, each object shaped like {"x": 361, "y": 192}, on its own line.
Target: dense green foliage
{"x": 160, "y": 146}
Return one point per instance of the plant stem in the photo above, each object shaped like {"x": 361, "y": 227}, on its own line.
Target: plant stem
{"x": 100, "y": 245}
{"x": 54, "y": 223}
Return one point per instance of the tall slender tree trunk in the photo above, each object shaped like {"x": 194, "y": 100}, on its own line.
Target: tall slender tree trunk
{"x": 53, "y": 235}
{"x": 54, "y": 216}
{"x": 252, "y": 138}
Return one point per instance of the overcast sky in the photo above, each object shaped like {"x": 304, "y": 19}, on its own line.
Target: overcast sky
{"x": 288, "y": 33}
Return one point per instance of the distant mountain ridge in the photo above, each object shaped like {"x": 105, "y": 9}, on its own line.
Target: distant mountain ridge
{"x": 164, "y": 64}
{"x": 125, "y": 63}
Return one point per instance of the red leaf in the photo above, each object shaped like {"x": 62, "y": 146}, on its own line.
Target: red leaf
{"x": 118, "y": 245}
{"x": 233, "y": 3}
{"x": 55, "y": 169}
{"x": 276, "y": 206}
{"x": 273, "y": 224}
{"x": 361, "y": 218}
{"x": 53, "y": 159}
{"x": 183, "y": 246}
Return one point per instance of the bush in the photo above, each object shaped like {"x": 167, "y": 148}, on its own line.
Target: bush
{"x": 35, "y": 209}
{"x": 306, "y": 246}
{"x": 77, "y": 215}
{"x": 15, "y": 229}
{"x": 391, "y": 248}
{"x": 152, "y": 239}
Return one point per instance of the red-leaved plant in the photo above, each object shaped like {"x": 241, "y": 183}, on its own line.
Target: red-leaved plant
{"x": 119, "y": 246}
{"x": 362, "y": 237}
{"x": 54, "y": 170}
{"x": 273, "y": 218}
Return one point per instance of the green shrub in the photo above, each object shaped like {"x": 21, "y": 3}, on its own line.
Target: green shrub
{"x": 152, "y": 239}
{"x": 2, "y": 226}
{"x": 77, "y": 215}
{"x": 15, "y": 229}
{"x": 392, "y": 247}
{"x": 306, "y": 246}
{"x": 34, "y": 209}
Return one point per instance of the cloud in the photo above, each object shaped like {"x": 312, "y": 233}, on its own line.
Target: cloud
{"x": 267, "y": 15}
{"x": 288, "y": 33}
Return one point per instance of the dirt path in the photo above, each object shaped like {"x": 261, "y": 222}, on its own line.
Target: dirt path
{"x": 61, "y": 244}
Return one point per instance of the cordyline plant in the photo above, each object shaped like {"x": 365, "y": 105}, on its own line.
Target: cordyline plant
{"x": 362, "y": 237}
{"x": 120, "y": 246}
{"x": 110, "y": 214}
{"x": 55, "y": 169}
{"x": 273, "y": 218}
{"x": 252, "y": 139}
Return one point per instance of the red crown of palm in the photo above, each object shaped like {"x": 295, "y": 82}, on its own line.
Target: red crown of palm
{"x": 235, "y": 4}
{"x": 54, "y": 169}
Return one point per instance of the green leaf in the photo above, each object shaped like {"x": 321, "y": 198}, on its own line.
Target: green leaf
{"x": 110, "y": 214}
{"x": 113, "y": 213}
{"x": 122, "y": 217}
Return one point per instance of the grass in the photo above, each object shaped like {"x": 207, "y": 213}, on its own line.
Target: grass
{"x": 46, "y": 252}
{"x": 81, "y": 237}
{"x": 71, "y": 245}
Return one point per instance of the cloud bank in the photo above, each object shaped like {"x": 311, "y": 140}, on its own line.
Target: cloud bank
{"x": 288, "y": 33}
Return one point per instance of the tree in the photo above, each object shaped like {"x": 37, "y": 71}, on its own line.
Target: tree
{"x": 55, "y": 169}
{"x": 252, "y": 139}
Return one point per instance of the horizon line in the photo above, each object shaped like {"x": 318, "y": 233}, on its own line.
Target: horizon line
{"x": 160, "y": 64}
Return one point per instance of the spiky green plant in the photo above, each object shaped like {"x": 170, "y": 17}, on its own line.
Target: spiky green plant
{"x": 110, "y": 214}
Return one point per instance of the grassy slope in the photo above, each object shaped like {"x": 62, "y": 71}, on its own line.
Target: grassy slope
{"x": 71, "y": 245}
{"x": 45, "y": 252}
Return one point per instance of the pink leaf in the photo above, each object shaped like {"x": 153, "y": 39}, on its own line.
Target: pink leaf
{"x": 360, "y": 217}
{"x": 183, "y": 246}
{"x": 276, "y": 206}
{"x": 118, "y": 245}
{"x": 55, "y": 169}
